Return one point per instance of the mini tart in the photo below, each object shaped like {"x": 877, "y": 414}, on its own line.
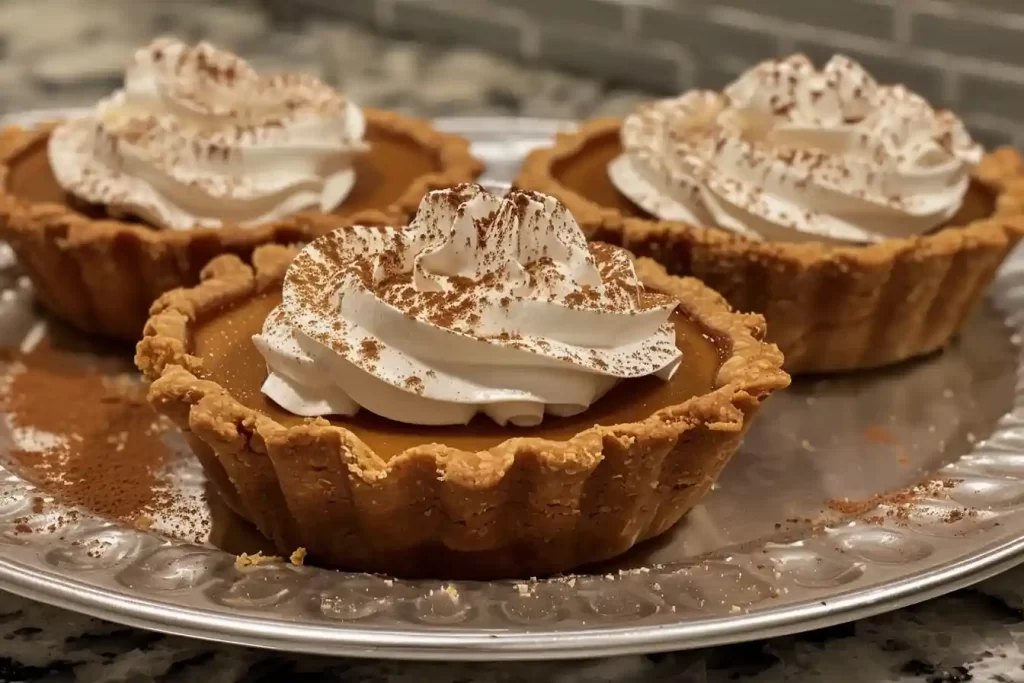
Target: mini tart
{"x": 828, "y": 308}
{"x": 521, "y": 506}
{"x": 101, "y": 274}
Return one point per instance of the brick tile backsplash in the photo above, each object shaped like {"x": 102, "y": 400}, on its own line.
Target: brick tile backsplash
{"x": 660, "y": 68}
{"x": 710, "y": 46}
{"x": 460, "y": 21}
{"x": 608, "y": 15}
{"x": 856, "y": 16}
{"x": 991, "y": 96}
{"x": 962, "y": 36}
{"x": 964, "y": 54}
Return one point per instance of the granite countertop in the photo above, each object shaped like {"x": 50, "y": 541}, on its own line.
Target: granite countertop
{"x": 64, "y": 52}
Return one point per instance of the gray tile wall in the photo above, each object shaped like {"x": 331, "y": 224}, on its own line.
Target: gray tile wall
{"x": 964, "y": 54}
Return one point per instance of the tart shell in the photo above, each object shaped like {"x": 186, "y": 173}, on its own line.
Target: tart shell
{"x": 101, "y": 275}
{"x": 527, "y": 507}
{"x": 828, "y": 308}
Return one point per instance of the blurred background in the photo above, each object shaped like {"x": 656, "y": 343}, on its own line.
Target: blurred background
{"x": 548, "y": 58}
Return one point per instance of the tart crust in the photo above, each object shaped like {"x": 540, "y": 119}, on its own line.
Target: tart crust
{"x": 102, "y": 275}
{"x": 828, "y": 308}
{"x": 525, "y": 507}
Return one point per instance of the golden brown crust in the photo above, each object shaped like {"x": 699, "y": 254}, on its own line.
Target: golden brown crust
{"x": 828, "y": 308}
{"x": 527, "y": 506}
{"x": 101, "y": 275}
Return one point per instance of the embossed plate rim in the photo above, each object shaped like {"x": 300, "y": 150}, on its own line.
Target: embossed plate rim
{"x": 189, "y": 613}
{"x": 439, "y": 646}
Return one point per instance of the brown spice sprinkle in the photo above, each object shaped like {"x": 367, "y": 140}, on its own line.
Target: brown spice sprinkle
{"x": 877, "y": 434}
{"x": 954, "y": 516}
{"x": 900, "y": 503}
{"x": 110, "y": 456}
{"x": 370, "y": 348}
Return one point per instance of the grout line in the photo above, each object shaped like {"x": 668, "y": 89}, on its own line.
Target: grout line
{"x": 529, "y": 41}
{"x": 902, "y": 23}
{"x": 384, "y": 12}
{"x": 951, "y": 88}
{"x": 975, "y": 14}
{"x": 630, "y": 19}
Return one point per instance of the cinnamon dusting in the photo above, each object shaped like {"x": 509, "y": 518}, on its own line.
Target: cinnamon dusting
{"x": 898, "y": 505}
{"x": 98, "y": 430}
{"x": 370, "y": 349}
{"x": 90, "y": 440}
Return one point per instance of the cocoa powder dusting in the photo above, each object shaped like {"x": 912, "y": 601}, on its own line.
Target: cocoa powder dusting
{"x": 898, "y": 505}
{"x": 881, "y": 436}
{"x": 370, "y": 349}
{"x": 103, "y": 451}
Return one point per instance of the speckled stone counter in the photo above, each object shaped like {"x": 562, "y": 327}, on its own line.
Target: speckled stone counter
{"x": 56, "y": 53}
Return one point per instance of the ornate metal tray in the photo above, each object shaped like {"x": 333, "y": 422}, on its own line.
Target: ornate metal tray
{"x": 765, "y": 555}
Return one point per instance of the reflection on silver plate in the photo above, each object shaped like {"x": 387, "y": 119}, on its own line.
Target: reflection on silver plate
{"x": 763, "y": 556}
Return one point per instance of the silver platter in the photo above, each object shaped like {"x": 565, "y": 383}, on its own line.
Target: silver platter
{"x": 763, "y": 556}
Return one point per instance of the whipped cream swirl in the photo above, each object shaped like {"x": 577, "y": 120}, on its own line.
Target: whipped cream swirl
{"x": 483, "y": 304}
{"x": 196, "y": 138}
{"x": 792, "y": 153}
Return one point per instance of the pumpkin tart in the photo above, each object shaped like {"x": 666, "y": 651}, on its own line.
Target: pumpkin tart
{"x": 480, "y": 499}
{"x": 99, "y": 268}
{"x": 831, "y": 305}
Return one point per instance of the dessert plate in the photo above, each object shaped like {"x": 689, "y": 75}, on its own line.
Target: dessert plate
{"x": 816, "y": 521}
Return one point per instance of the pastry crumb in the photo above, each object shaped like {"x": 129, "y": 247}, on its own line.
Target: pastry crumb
{"x": 298, "y": 558}
{"x": 255, "y": 560}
